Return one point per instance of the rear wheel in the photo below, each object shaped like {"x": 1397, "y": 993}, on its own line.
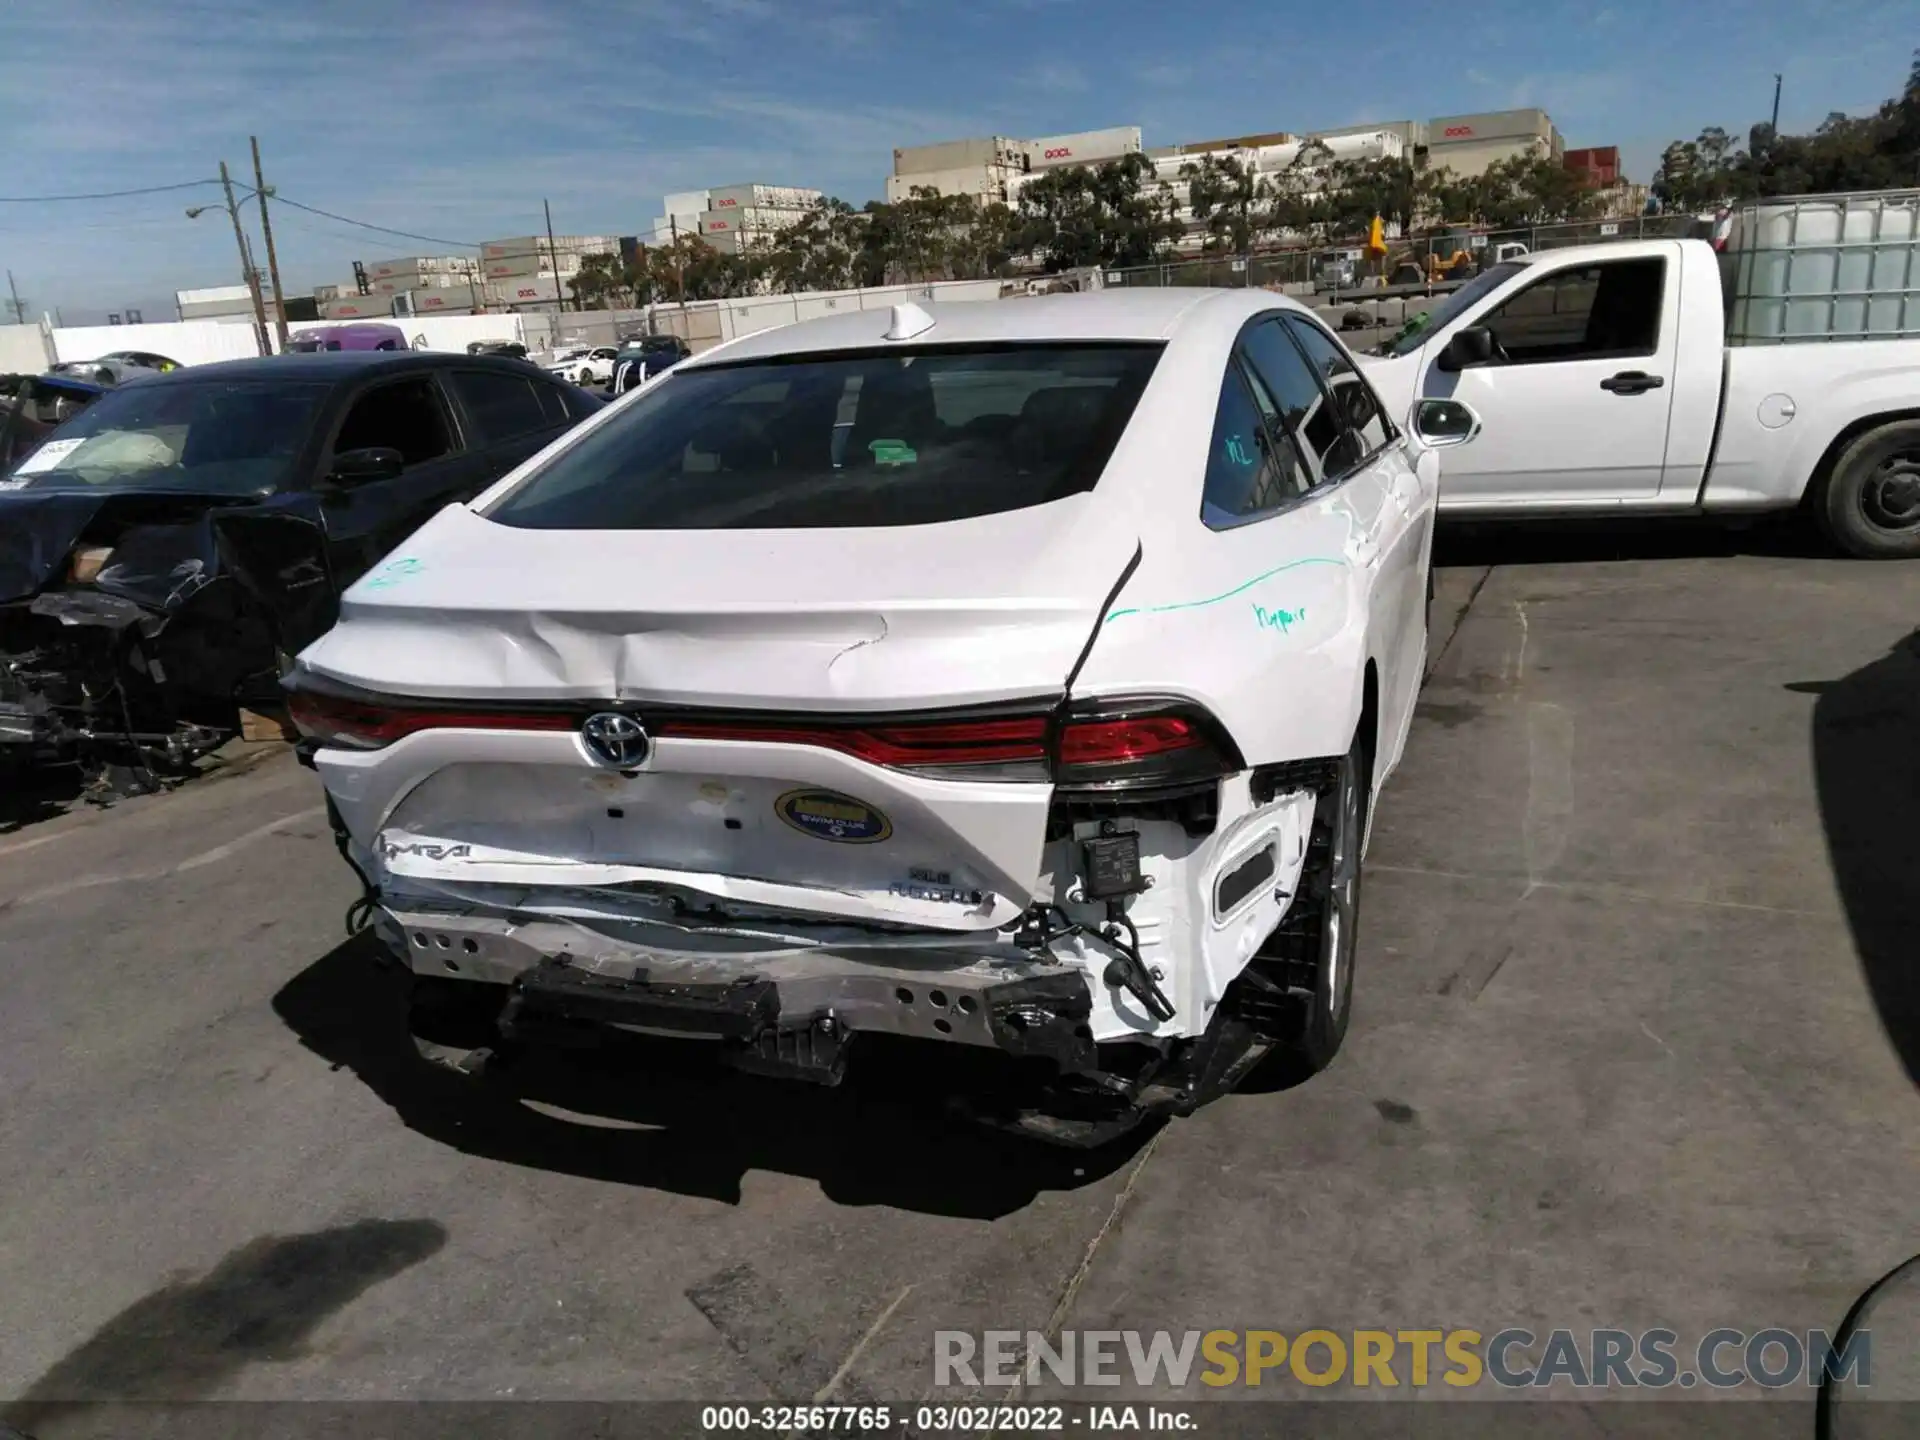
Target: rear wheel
{"x": 1330, "y": 896}
{"x": 1869, "y": 505}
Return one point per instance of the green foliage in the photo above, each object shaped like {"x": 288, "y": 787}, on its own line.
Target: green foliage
{"x": 1108, "y": 214}
{"x": 1880, "y": 151}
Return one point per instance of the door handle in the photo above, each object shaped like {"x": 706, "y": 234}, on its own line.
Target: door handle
{"x": 1632, "y": 382}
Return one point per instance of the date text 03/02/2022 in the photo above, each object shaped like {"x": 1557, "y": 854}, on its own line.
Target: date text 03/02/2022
{"x": 946, "y": 1419}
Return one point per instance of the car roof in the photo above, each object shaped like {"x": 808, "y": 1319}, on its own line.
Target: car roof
{"x": 1143, "y": 314}
{"x": 329, "y": 365}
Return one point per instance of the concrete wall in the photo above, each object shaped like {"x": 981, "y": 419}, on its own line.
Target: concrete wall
{"x": 191, "y": 342}
{"x": 23, "y": 350}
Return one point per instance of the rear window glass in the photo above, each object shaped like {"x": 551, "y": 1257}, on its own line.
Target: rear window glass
{"x": 869, "y": 438}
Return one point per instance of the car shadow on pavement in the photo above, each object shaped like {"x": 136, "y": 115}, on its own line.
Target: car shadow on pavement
{"x": 29, "y": 795}
{"x": 667, "y": 1116}
{"x": 1866, "y": 761}
{"x": 191, "y": 1336}
{"x": 1572, "y": 542}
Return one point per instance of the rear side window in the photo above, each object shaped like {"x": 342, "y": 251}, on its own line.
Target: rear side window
{"x": 1304, "y": 412}
{"x": 1355, "y": 406}
{"x": 1252, "y": 469}
{"x": 500, "y": 407}
{"x": 892, "y": 437}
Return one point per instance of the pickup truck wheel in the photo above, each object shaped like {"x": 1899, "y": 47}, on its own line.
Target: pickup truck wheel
{"x": 1870, "y": 504}
{"x": 1339, "y": 826}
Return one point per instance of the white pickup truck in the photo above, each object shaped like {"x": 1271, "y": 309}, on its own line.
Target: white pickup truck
{"x": 1614, "y": 379}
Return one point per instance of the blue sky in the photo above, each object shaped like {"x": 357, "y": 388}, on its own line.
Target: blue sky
{"x": 456, "y": 119}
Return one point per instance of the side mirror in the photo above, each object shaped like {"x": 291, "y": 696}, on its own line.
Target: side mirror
{"x": 1468, "y": 347}
{"x": 1440, "y": 423}
{"x": 376, "y": 462}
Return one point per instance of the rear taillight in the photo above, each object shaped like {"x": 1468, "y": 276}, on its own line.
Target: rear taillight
{"x": 986, "y": 748}
{"x": 367, "y": 722}
{"x": 1130, "y": 745}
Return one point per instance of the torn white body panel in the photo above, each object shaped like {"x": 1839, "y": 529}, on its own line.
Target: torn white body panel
{"x": 513, "y": 807}
{"x": 1194, "y": 940}
{"x": 977, "y": 611}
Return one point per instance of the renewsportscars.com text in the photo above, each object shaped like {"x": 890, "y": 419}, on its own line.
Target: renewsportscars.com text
{"x": 1510, "y": 1358}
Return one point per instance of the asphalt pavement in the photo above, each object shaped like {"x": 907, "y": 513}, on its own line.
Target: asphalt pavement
{"x": 1635, "y": 1043}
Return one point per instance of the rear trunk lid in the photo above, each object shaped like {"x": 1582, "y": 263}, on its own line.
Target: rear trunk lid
{"x": 850, "y": 620}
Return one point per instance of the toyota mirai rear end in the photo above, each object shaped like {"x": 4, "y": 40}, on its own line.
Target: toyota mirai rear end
{"x": 1011, "y": 678}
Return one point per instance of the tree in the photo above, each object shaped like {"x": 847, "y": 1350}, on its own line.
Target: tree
{"x": 606, "y": 280}
{"x": 1871, "y": 152}
{"x": 819, "y": 251}
{"x": 691, "y": 269}
{"x": 1098, "y": 215}
{"x": 1225, "y": 196}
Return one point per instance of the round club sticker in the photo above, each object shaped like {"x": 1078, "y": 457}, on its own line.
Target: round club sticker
{"x": 826, "y": 815}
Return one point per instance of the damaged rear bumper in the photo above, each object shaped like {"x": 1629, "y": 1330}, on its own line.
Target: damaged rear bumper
{"x": 788, "y": 1011}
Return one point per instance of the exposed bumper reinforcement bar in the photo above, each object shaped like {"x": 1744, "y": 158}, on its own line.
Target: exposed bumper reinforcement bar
{"x": 786, "y": 1011}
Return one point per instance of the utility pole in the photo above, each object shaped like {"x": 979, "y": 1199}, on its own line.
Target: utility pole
{"x": 273, "y": 261}
{"x": 246, "y": 260}
{"x": 1773, "y": 125}
{"x": 553, "y": 254}
{"x": 19, "y": 308}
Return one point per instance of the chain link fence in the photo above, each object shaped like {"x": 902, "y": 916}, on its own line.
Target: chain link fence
{"x": 1338, "y": 269}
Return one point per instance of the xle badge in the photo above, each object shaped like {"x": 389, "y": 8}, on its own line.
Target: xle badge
{"x": 828, "y": 816}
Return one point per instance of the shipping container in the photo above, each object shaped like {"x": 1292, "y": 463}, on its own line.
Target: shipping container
{"x": 1084, "y": 147}
{"x": 687, "y": 202}
{"x": 357, "y": 307}
{"x": 421, "y": 265}
{"x": 525, "y": 290}
{"x": 211, "y": 294}
{"x": 1598, "y": 165}
{"x": 1491, "y": 125}
{"x": 329, "y": 292}
{"x": 399, "y": 285}
{"x": 957, "y": 154}
{"x": 749, "y": 218}
{"x": 455, "y": 301}
{"x": 241, "y": 309}
{"x": 761, "y": 197}
{"x": 527, "y": 247}
{"x": 984, "y": 182}
{"x": 1824, "y": 267}
{"x": 1239, "y": 142}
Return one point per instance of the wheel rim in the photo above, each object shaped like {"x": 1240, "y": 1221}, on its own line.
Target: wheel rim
{"x": 1891, "y": 497}
{"x": 1342, "y": 890}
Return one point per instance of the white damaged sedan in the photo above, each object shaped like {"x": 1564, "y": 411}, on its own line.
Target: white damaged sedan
{"x": 1016, "y": 677}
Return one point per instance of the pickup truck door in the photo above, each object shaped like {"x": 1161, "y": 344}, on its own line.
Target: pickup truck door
{"x": 1577, "y": 397}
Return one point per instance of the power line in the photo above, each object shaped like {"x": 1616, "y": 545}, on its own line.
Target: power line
{"x": 104, "y": 194}
{"x": 383, "y": 229}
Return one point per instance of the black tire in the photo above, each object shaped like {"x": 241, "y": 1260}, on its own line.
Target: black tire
{"x": 1869, "y": 503}
{"x": 1339, "y": 827}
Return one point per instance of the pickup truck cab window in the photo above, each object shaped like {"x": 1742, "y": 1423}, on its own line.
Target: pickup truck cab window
{"x": 1586, "y": 312}
{"x": 1355, "y": 406}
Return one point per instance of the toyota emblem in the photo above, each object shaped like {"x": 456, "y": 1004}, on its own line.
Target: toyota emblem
{"x": 615, "y": 739}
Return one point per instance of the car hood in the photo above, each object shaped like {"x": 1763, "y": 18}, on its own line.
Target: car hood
{"x": 994, "y": 608}
{"x": 1393, "y": 378}
{"x": 38, "y": 533}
